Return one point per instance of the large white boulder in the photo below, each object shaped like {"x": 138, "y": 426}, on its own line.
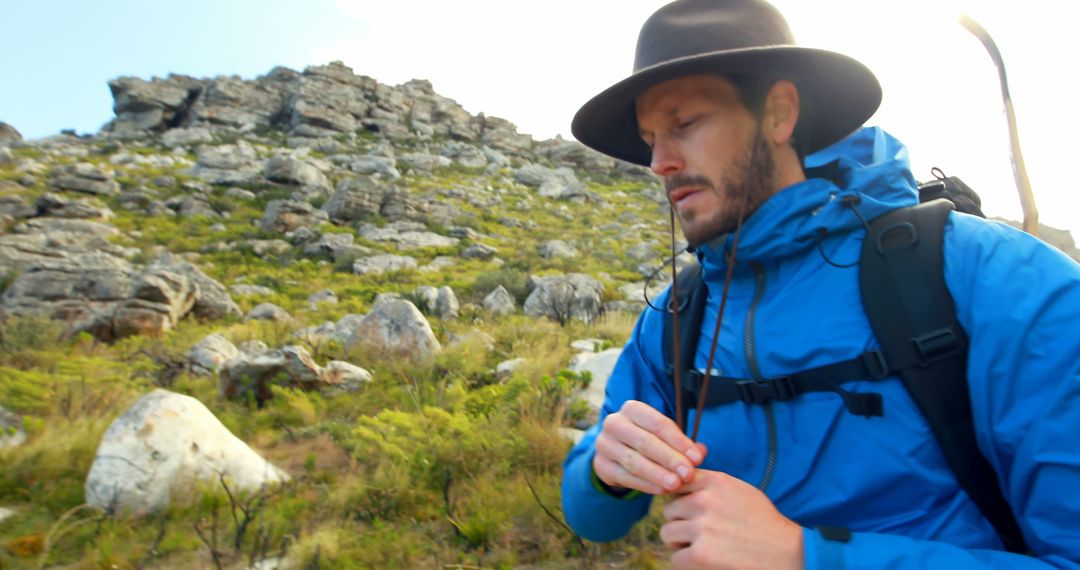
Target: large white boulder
{"x": 162, "y": 443}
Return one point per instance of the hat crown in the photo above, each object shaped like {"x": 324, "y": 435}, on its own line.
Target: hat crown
{"x": 687, "y": 28}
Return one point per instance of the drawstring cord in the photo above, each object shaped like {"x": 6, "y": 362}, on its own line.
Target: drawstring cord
{"x": 850, "y": 201}
{"x": 679, "y": 419}
{"x": 716, "y": 329}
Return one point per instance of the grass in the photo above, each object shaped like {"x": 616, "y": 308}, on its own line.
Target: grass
{"x": 435, "y": 464}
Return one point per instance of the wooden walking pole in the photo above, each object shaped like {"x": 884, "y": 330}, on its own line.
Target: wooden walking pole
{"x": 1023, "y": 185}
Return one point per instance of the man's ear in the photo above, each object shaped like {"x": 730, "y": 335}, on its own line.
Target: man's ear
{"x": 781, "y": 111}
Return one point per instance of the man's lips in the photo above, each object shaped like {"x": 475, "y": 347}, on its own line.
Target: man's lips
{"x": 679, "y": 194}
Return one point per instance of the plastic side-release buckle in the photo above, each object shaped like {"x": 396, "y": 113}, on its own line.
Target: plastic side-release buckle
{"x": 780, "y": 389}
{"x": 937, "y": 345}
{"x": 874, "y": 365}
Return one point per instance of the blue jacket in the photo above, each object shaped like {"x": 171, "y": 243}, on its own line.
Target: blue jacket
{"x": 885, "y": 478}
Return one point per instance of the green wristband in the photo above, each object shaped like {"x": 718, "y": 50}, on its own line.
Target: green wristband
{"x": 623, "y": 494}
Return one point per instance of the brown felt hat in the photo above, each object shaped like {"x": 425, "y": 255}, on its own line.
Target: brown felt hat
{"x": 745, "y": 37}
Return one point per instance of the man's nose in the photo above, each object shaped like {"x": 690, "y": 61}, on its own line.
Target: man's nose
{"x": 666, "y": 159}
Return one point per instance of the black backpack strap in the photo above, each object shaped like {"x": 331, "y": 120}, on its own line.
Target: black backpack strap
{"x": 693, "y": 295}
{"x": 913, "y": 317}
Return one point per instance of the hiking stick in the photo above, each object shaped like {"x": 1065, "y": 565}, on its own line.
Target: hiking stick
{"x": 1023, "y": 185}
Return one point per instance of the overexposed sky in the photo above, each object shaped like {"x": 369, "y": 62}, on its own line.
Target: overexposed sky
{"x": 535, "y": 63}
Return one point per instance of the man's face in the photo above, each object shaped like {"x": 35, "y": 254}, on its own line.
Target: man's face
{"x": 708, "y": 150}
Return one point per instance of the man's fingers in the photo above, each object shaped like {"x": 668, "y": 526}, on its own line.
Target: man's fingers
{"x": 634, "y": 463}
{"x": 663, "y": 427}
{"x": 616, "y": 475}
{"x": 678, "y": 534}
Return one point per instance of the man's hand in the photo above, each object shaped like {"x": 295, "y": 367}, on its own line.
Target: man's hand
{"x": 718, "y": 521}
{"x": 640, "y": 448}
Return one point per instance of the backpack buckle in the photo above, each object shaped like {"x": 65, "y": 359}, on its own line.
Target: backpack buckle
{"x": 780, "y": 389}
{"x": 874, "y": 366}
{"x": 937, "y": 345}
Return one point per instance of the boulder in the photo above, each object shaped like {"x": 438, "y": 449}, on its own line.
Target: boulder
{"x": 159, "y": 299}
{"x": 228, "y": 164}
{"x": 319, "y": 297}
{"x": 599, "y": 365}
{"x": 209, "y": 354}
{"x": 345, "y": 376}
{"x": 565, "y": 297}
{"x": 253, "y": 373}
{"x": 8, "y": 134}
{"x": 506, "y": 368}
{"x": 500, "y": 301}
{"x": 446, "y": 305}
{"x": 12, "y": 432}
{"x": 288, "y": 215}
{"x": 479, "y": 251}
{"x": 378, "y": 264}
{"x": 426, "y": 298}
{"x": 213, "y": 301}
{"x": 395, "y": 328}
{"x": 355, "y": 199}
{"x": 268, "y": 312}
{"x": 186, "y": 137}
{"x": 293, "y": 170}
{"x": 162, "y": 443}
{"x": 556, "y": 248}
{"x": 86, "y": 178}
{"x": 406, "y": 235}
{"x": 56, "y": 206}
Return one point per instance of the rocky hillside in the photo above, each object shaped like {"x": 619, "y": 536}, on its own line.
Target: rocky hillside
{"x": 308, "y": 320}
{"x": 263, "y": 287}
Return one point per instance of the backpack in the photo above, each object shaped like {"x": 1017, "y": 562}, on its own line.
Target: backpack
{"x": 911, "y": 313}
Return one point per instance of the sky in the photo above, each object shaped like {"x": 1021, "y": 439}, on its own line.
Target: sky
{"x": 535, "y": 63}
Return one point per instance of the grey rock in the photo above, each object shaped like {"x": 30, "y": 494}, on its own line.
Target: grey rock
{"x": 207, "y": 356}
{"x": 194, "y": 206}
{"x": 344, "y": 377}
{"x": 213, "y": 300}
{"x": 239, "y": 194}
{"x": 319, "y": 297}
{"x": 246, "y": 290}
{"x": 385, "y": 166}
{"x": 86, "y": 178}
{"x": 506, "y": 368}
{"x": 159, "y": 299}
{"x": 479, "y": 251}
{"x": 292, "y": 170}
{"x": 599, "y": 365}
{"x": 15, "y": 207}
{"x": 228, "y": 164}
{"x": 556, "y": 248}
{"x": 186, "y": 137}
{"x": 355, "y": 199}
{"x": 268, "y": 312}
{"x": 290, "y": 366}
{"x": 6, "y": 157}
{"x": 8, "y": 133}
{"x": 500, "y": 301}
{"x": 288, "y": 215}
{"x": 378, "y": 264}
{"x": 565, "y": 297}
{"x": 268, "y": 247}
{"x": 438, "y": 264}
{"x": 446, "y": 305}
{"x": 424, "y": 162}
{"x": 56, "y": 206}
{"x": 405, "y": 235}
{"x": 12, "y": 431}
{"x": 426, "y": 298}
{"x": 163, "y": 442}
{"x": 395, "y": 328}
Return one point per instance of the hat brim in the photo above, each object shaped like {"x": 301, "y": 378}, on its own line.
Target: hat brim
{"x": 844, "y": 92}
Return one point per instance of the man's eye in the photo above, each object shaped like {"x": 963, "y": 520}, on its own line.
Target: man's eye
{"x": 687, "y": 122}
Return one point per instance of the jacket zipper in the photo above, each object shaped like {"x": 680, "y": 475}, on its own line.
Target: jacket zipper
{"x": 755, "y": 371}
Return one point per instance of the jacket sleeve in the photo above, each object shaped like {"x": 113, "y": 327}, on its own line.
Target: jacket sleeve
{"x": 592, "y": 513}
{"x": 1019, "y": 301}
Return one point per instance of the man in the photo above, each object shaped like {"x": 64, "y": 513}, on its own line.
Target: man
{"x": 723, "y": 107}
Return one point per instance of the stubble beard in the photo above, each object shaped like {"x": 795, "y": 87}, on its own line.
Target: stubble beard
{"x": 746, "y": 184}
